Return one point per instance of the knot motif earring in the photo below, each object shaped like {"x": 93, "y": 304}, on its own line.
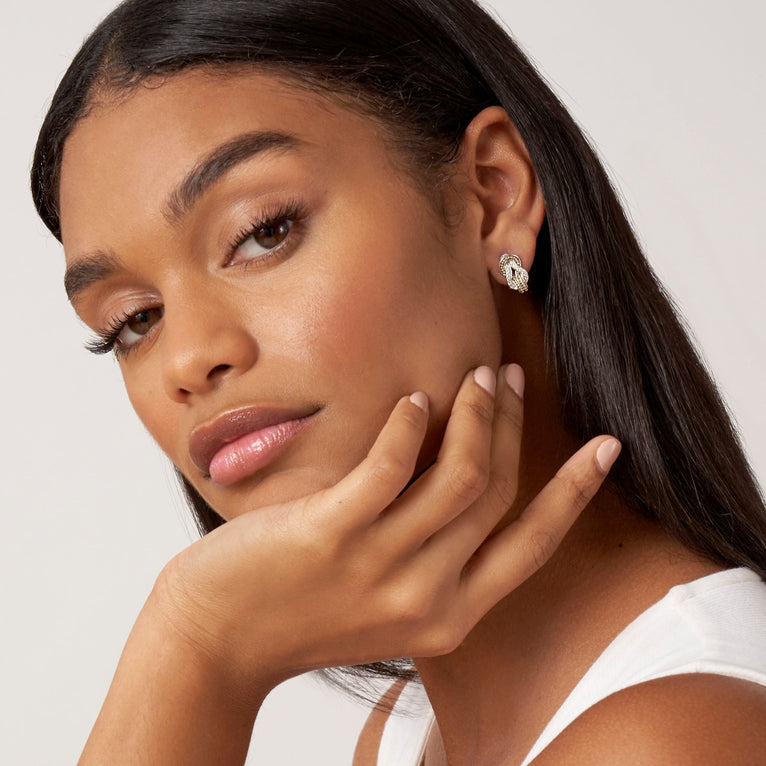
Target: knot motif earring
{"x": 515, "y": 274}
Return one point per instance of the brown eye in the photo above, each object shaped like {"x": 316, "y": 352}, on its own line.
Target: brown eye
{"x": 137, "y": 325}
{"x": 273, "y": 234}
{"x": 263, "y": 239}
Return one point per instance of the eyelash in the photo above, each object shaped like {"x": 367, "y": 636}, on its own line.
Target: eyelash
{"x": 106, "y": 339}
{"x": 292, "y": 211}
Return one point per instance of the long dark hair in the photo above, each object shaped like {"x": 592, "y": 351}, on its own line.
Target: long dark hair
{"x": 425, "y": 68}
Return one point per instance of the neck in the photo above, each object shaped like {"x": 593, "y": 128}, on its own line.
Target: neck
{"x": 520, "y": 662}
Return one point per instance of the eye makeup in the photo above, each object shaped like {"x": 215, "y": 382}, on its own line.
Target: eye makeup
{"x": 275, "y": 231}
{"x": 273, "y": 235}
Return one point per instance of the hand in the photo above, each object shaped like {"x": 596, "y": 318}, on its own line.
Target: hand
{"x": 363, "y": 571}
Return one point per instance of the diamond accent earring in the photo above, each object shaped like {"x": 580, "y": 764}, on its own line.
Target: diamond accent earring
{"x": 515, "y": 274}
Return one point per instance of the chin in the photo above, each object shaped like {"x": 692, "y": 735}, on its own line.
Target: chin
{"x": 273, "y": 489}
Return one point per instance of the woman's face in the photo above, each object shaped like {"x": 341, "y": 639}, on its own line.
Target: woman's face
{"x": 275, "y": 280}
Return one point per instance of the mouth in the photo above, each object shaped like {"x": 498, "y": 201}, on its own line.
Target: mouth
{"x": 239, "y": 443}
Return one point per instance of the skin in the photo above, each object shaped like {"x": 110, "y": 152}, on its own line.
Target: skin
{"x": 356, "y": 305}
{"x": 373, "y": 296}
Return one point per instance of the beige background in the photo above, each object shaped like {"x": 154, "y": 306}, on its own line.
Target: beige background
{"x": 672, "y": 93}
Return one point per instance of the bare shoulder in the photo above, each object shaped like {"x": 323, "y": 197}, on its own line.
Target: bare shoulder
{"x": 696, "y": 719}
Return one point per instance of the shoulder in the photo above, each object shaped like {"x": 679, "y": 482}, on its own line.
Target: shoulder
{"x": 696, "y": 720}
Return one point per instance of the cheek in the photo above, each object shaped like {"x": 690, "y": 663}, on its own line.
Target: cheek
{"x": 150, "y": 404}
{"x": 395, "y": 322}
{"x": 361, "y": 321}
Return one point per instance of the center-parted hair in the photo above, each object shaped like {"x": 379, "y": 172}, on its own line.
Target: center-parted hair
{"x": 424, "y": 68}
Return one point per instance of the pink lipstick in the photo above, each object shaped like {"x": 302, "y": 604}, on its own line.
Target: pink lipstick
{"x": 237, "y": 444}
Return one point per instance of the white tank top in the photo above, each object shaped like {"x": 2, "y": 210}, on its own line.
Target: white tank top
{"x": 716, "y": 624}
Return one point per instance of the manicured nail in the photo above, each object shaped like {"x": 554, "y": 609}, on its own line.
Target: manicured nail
{"x": 514, "y": 377}
{"x": 607, "y": 453}
{"x": 419, "y": 399}
{"x": 485, "y": 378}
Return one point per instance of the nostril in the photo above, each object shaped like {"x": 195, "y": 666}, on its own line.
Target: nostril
{"x": 218, "y": 370}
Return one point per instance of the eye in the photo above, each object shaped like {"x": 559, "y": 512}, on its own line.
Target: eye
{"x": 263, "y": 239}
{"x": 137, "y": 325}
{"x": 267, "y": 235}
{"x": 125, "y": 333}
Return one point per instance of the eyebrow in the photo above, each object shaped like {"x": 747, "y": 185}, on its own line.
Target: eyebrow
{"x": 222, "y": 159}
{"x": 86, "y": 272}
{"x": 93, "y": 268}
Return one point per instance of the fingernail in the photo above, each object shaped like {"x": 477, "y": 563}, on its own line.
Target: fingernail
{"x": 514, "y": 377}
{"x": 419, "y": 399}
{"x": 485, "y": 378}
{"x": 607, "y": 453}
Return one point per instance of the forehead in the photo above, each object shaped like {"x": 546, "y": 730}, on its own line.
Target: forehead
{"x": 134, "y": 148}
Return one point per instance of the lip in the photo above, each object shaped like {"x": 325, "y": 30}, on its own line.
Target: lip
{"x": 253, "y": 435}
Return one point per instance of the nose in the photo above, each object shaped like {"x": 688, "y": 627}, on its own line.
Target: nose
{"x": 201, "y": 346}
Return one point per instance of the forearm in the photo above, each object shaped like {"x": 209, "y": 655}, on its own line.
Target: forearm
{"x": 170, "y": 704}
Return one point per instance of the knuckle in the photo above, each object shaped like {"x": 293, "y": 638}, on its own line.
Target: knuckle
{"x": 468, "y": 478}
{"x": 541, "y": 546}
{"x": 504, "y": 488}
{"x": 577, "y": 488}
{"x": 389, "y": 469}
{"x": 483, "y": 410}
{"x": 412, "y": 419}
{"x": 408, "y": 606}
{"x": 444, "y": 639}
{"x": 320, "y": 543}
{"x": 512, "y": 414}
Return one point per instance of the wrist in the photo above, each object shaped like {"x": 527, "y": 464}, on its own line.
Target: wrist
{"x": 189, "y": 641}
{"x": 171, "y": 703}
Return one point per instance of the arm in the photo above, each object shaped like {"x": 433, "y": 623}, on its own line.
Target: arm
{"x": 687, "y": 720}
{"x": 170, "y": 704}
{"x": 359, "y": 572}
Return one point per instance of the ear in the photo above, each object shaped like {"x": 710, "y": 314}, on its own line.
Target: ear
{"x": 503, "y": 186}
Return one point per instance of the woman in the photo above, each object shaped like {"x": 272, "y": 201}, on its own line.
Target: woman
{"x": 307, "y": 234}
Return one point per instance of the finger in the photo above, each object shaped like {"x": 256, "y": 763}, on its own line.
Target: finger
{"x": 458, "y": 540}
{"x": 375, "y": 483}
{"x": 506, "y": 435}
{"x": 519, "y": 550}
{"x": 461, "y": 470}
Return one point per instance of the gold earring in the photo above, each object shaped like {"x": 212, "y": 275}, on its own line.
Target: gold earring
{"x": 515, "y": 274}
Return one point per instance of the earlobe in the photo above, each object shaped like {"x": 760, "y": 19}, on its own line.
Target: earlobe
{"x": 503, "y": 182}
